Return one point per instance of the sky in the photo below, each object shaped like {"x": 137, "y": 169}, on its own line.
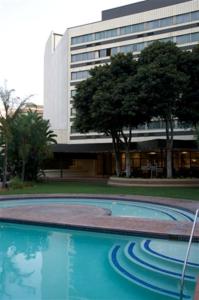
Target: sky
{"x": 25, "y": 26}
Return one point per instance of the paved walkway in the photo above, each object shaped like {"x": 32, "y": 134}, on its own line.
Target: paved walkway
{"x": 99, "y": 219}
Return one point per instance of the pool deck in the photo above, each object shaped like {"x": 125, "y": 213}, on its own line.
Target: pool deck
{"x": 98, "y": 219}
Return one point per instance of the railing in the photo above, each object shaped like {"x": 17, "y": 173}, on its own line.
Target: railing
{"x": 187, "y": 254}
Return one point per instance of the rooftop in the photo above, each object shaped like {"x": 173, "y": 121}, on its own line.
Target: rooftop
{"x": 137, "y": 7}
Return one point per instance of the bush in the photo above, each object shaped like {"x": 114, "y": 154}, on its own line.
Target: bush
{"x": 17, "y": 183}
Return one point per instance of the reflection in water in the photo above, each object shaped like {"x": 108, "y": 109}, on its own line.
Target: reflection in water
{"x": 36, "y": 263}
{"x": 21, "y": 262}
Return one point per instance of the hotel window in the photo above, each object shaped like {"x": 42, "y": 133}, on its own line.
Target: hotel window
{"x": 83, "y": 56}
{"x": 166, "y": 22}
{"x": 125, "y": 30}
{"x": 79, "y": 75}
{"x": 138, "y": 27}
{"x": 72, "y": 93}
{"x": 72, "y": 111}
{"x": 195, "y": 16}
{"x": 102, "y": 53}
{"x": 183, "y": 18}
{"x": 110, "y": 33}
{"x": 195, "y": 37}
{"x": 183, "y": 39}
{"x": 153, "y": 24}
{"x": 126, "y": 49}
{"x": 100, "y": 35}
{"x": 114, "y": 50}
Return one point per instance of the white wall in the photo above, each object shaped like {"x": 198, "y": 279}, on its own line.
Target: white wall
{"x": 55, "y": 85}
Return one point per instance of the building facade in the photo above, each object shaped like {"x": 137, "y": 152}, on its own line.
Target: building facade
{"x": 129, "y": 28}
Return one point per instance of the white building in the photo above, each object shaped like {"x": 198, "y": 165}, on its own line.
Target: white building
{"x": 129, "y": 28}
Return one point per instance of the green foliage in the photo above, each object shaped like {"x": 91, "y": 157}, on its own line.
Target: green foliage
{"x": 31, "y": 144}
{"x": 108, "y": 102}
{"x": 161, "y": 78}
{"x": 188, "y": 111}
{"x": 10, "y": 109}
{"x": 17, "y": 183}
{"x": 162, "y": 84}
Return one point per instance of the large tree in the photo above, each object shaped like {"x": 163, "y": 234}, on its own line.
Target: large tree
{"x": 96, "y": 110}
{"x": 188, "y": 111}
{"x": 31, "y": 144}
{"x": 108, "y": 102}
{"x": 162, "y": 83}
{"x": 11, "y": 106}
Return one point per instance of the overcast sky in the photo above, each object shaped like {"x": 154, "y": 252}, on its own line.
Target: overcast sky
{"x": 25, "y": 26}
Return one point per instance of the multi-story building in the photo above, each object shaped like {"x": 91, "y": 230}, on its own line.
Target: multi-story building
{"x": 69, "y": 57}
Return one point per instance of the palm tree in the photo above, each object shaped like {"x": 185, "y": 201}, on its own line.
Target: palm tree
{"x": 10, "y": 109}
{"x": 31, "y": 143}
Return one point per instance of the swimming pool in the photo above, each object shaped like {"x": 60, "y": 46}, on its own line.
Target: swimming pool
{"x": 117, "y": 207}
{"x": 39, "y": 263}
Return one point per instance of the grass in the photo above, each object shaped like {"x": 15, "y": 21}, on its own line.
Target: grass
{"x": 189, "y": 193}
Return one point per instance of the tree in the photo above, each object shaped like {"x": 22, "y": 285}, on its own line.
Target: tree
{"x": 11, "y": 107}
{"x": 188, "y": 111}
{"x": 162, "y": 83}
{"x": 96, "y": 109}
{"x": 108, "y": 102}
{"x": 31, "y": 143}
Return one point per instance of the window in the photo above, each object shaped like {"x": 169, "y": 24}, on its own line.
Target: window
{"x": 110, "y": 33}
{"x": 195, "y": 37}
{"x": 102, "y": 53}
{"x": 72, "y": 93}
{"x": 126, "y": 49}
{"x": 125, "y": 30}
{"x": 79, "y": 75}
{"x": 100, "y": 35}
{"x": 153, "y": 24}
{"x": 114, "y": 50}
{"x": 72, "y": 111}
{"x": 138, "y": 27}
{"x": 140, "y": 46}
{"x": 195, "y": 16}
{"x": 183, "y": 18}
{"x": 166, "y": 22}
{"x": 183, "y": 39}
{"x": 169, "y": 39}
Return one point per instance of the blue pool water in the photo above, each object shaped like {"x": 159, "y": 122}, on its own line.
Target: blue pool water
{"x": 118, "y": 208}
{"x": 38, "y": 263}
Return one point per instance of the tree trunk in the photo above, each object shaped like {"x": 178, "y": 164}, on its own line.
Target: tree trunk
{"x": 127, "y": 143}
{"x": 169, "y": 160}
{"x": 128, "y": 163}
{"x": 23, "y": 170}
{"x": 169, "y": 146}
{"x": 117, "y": 156}
{"x": 5, "y": 167}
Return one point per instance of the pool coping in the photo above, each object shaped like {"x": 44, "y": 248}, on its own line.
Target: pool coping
{"x": 116, "y": 225}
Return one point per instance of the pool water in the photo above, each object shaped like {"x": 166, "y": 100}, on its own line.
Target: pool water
{"x": 58, "y": 264}
{"x": 117, "y": 207}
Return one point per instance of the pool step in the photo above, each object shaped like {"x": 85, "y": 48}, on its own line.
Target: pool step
{"x": 134, "y": 254}
{"x": 149, "y": 272}
{"x": 142, "y": 279}
{"x": 151, "y": 250}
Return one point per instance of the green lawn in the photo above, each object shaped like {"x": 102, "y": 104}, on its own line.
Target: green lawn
{"x": 102, "y": 188}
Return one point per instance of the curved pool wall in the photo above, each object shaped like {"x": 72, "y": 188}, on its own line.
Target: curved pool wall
{"x": 43, "y": 262}
{"x": 118, "y": 208}
{"x": 39, "y": 263}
